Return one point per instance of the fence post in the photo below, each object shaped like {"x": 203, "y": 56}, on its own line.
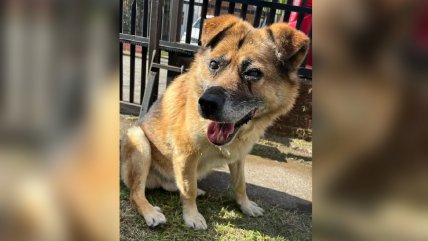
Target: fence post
{"x": 132, "y": 54}
{"x": 175, "y": 20}
{"x": 144, "y": 49}
{"x": 154, "y": 37}
{"x": 121, "y": 52}
{"x": 174, "y": 34}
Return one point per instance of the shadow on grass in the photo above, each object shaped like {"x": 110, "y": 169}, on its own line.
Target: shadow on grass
{"x": 220, "y": 181}
{"x": 282, "y": 210}
{"x": 298, "y": 157}
{"x": 275, "y": 154}
{"x": 269, "y": 152}
{"x": 286, "y": 217}
{"x": 278, "y": 139}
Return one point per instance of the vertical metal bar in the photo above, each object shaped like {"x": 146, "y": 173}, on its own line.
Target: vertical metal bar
{"x": 155, "y": 34}
{"x": 157, "y": 56}
{"x": 244, "y": 8}
{"x": 190, "y": 21}
{"x": 145, "y": 106}
{"x": 145, "y": 17}
{"x": 174, "y": 34}
{"x": 165, "y": 20}
{"x": 257, "y": 16}
{"x": 143, "y": 72}
{"x": 132, "y": 57}
{"x": 175, "y": 20}
{"x": 217, "y": 7}
{"x": 203, "y": 17}
{"x": 149, "y": 89}
{"x": 310, "y": 46}
{"x": 231, "y": 9}
{"x": 271, "y": 15}
{"x": 287, "y": 13}
{"x": 121, "y": 52}
{"x": 300, "y": 16}
{"x": 144, "y": 50}
{"x": 172, "y": 60}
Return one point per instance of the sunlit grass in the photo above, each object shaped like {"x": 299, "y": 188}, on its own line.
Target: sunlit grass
{"x": 225, "y": 221}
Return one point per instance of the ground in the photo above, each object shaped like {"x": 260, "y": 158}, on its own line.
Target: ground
{"x": 279, "y": 179}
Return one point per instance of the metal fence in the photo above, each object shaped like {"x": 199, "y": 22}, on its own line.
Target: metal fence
{"x": 160, "y": 31}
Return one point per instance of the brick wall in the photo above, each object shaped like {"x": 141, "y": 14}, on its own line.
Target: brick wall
{"x": 298, "y": 122}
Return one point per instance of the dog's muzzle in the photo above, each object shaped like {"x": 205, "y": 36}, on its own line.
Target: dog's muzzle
{"x": 211, "y": 103}
{"x": 224, "y": 126}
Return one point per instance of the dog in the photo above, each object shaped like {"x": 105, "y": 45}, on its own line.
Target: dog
{"x": 241, "y": 80}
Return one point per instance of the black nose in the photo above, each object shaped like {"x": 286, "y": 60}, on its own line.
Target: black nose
{"x": 211, "y": 102}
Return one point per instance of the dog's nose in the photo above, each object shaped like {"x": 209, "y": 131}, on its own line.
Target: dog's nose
{"x": 211, "y": 102}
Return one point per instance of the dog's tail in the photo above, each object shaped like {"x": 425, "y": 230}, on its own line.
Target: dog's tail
{"x": 135, "y": 156}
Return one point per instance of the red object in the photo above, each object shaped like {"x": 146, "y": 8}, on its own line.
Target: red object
{"x": 306, "y": 24}
{"x": 127, "y": 47}
{"x": 421, "y": 29}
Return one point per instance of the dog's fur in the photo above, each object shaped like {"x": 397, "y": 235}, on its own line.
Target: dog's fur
{"x": 171, "y": 149}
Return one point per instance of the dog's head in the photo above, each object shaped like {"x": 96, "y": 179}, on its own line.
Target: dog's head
{"x": 246, "y": 73}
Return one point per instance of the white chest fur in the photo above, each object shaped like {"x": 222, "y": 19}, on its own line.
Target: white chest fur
{"x": 218, "y": 156}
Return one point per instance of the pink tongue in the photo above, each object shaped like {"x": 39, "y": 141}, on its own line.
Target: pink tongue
{"x": 218, "y": 133}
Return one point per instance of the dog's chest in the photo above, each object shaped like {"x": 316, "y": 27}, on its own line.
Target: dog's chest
{"x": 213, "y": 156}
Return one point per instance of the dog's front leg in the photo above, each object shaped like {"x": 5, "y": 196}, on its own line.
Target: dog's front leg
{"x": 186, "y": 177}
{"x": 237, "y": 173}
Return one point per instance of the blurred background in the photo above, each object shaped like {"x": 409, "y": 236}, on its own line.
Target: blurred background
{"x": 370, "y": 120}
{"x": 59, "y": 120}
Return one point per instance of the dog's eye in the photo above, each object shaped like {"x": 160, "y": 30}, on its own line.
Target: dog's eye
{"x": 252, "y": 75}
{"x": 214, "y": 65}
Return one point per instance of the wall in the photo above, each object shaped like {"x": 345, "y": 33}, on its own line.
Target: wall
{"x": 298, "y": 122}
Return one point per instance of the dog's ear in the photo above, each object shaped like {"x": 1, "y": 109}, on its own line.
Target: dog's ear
{"x": 291, "y": 45}
{"x": 214, "y": 28}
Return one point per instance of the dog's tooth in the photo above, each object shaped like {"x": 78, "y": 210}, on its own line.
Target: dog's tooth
{"x": 226, "y": 136}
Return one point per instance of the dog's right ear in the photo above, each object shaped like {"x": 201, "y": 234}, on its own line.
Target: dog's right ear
{"x": 291, "y": 45}
{"x": 214, "y": 29}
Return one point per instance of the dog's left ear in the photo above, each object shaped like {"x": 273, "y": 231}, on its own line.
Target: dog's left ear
{"x": 292, "y": 45}
{"x": 214, "y": 28}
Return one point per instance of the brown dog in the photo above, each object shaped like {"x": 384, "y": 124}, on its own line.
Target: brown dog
{"x": 242, "y": 79}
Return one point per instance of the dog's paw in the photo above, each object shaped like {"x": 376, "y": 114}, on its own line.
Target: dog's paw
{"x": 155, "y": 217}
{"x": 252, "y": 209}
{"x": 200, "y": 192}
{"x": 195, "y": 220}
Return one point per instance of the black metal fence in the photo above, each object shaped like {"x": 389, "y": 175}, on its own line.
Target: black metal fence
{"x": 160, "y": 31}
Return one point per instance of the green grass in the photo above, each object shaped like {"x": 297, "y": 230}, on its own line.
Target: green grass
{"x": 164, "y": 54}
{"x": 225, "y": 221}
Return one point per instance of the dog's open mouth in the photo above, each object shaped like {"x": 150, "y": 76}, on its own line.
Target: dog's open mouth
{"x": 220, "y": 133}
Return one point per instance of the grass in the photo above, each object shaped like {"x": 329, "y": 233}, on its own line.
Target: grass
{"x": 225, "y": 221}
